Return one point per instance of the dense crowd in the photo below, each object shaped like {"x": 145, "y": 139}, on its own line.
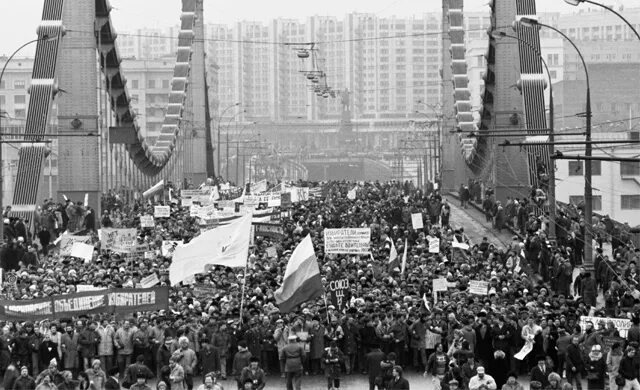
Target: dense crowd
{"x": 393, "y": 320}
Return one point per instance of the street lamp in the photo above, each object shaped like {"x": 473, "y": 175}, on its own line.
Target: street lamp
{"x": 219, "y": 143}
{"x": 44, "y": 38}
{"x": 588, "y": 189}
{"x": 577, "y": 2}
{"x": 552, "y": 170}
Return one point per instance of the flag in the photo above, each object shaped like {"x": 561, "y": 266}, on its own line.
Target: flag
{"x": 404, "y": 258}
{"x": 159, "y": 186}
{"x": 302, "y": 280}
{"x": 460, "y": 245}
{"x": 351, "y": 195}
{"x": 393, "y": 253}
{"x": 226, "y": 245}
{"x": 426, "y": 302}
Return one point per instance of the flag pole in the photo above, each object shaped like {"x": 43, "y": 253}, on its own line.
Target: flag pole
{"x": 326, "y": 307}
{"x": 244, "y": 286}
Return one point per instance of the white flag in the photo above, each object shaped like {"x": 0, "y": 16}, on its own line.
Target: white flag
{"x": 404, "y": 258}
{"x": 227, "y": 245}
{"x": 426, "y": 302}
{"x": 393, "y": 253}
{"x": 460, "y": 245}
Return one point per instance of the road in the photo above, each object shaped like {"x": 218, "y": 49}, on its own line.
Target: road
{"x": 475, "y": 225}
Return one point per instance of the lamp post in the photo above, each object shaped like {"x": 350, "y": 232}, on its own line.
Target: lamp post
{"x": 577, "y": 2}
{"x": 588, "y": 189}
{"x": 552, "y": 169}
{"x": 219, "y": 144}
{"x": 43, "y": 38}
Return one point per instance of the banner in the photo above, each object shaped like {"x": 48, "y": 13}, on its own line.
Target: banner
{"x": 353, "y": 241}
{"x": 120, "y": 238}
{"x": 268, "y": 230}
{"x": 67, "y": 241}
{"x": 162, "y": 211}
{"x": 338, "y": 293}
{"x": 478, "y": 287}
{"x": 416, "y": 221}
{"x": 147, "y": 221}
{"x": 299, "y": 194}
{"x": 621, "y": 324}
{"x": 111, "y": 301}
{"x": 88, "y": 287}
{"x": 272, "y": 252}
{"x": 440, "y": 284}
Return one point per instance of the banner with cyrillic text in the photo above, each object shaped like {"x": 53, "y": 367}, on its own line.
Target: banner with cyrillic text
{"x": 119, "y": 301}
{"x": 120, "y": 238}
{"x": 352, "y": 241}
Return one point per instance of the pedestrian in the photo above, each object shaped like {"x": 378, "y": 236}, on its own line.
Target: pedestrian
{"x": 293, "y": 354}
{"x": 332, "y": 358}
{"x": 398, "y": 382}
{"x": 254, "y": 375}
{"x": 596, "y": 368}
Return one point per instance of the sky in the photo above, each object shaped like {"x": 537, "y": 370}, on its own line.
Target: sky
{"x": 19, "y": 19}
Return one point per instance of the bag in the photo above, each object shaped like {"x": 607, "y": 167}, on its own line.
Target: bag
{"x": 620, "y": 381}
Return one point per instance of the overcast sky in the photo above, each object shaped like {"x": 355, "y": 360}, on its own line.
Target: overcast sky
{"x": 19, "y": 19}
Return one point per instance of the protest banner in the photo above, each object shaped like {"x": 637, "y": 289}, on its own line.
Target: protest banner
{"x": 149, "y": 281}
{"x": 338, "y": 293}
{"x": 120, "y": 238}
{"x": 203, "y": 291}
{"x": 271, "y": 230}
{"x": 168, "y": 247}
{"x": 416, "y": 221}
{"x": 82, "y": 251}
{"x": 149, "y": 255}
{"x": 194, "y": 211}
{"x": 186, "y": 202}
{"x": 299, "y": 194}
{"x": 478, "y": 287}
{"x": 355, "y": 241}
{"x": 272, "y": 252}
{"x": 162, "y": 211}
{"x": 190, "y": 194}
{"x": 621, "y": 324}
{"x": 147, "y": 221}
{"x": 434, "y": 245}
{"x": 120, "y": 301}
{"x": 67, "y": 240}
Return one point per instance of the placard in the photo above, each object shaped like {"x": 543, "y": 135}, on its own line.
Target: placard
{"x": 82, "y": 251}
{"x": 478, "y": 287}
{"x": 149, "y": 281}
{"x": 622, "y": 324}
{"x": 194, "y": 211}
{"x": 67, "y": 241}
{"x": 338, "y": 292}
{"x": 434, "y": 245}
{"x": 149, "y": 255}
{"x": 271, "y": 230}
{"x": 88, "y": 287}
{"x": 147, "y": 221}
{"x": 186, "y": 202}
{"x": 162, "y": 211}
{"x": 355, "y": 241}
{"x": 416, "y": 221}
{"x": 440, "y": 284}
{"x": 271, "y": 252}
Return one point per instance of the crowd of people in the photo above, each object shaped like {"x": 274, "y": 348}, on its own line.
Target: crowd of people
{"x": 393, "y": 321}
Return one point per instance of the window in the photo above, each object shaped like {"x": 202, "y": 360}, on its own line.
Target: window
{"x": 596, "y": 168}
{"x": 19, "y": 99}
{"x": 630, "y": 202}
{"x": 629, "y": 168}
{"x": 596, "y": 201}
{"x": 134, "y": 84}
{"x": 20, "y": 113}
{"x": 575, "y": 168}
{"x": 165, "y": 84}
{"x": 19, "y": 84}
{"x": 151, "y": 84}
{"x": 553, "y": 74}
{"x": 2, "y": 100}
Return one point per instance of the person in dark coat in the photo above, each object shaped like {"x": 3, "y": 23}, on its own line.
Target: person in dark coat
{"x": 596, "y": 368}
{"x": 540, "y": 372}
{"x": 332, "y": 358}
{"x": 373, "y": 360}
{"x": 48, "y": 352}
{"x": 574, "y": 363}
{"x": 398, "y": 382}
{"x": 112, "y": 382}
{"x": 24, "y": 382}
{"x": 589, "y": 289}
{"x": 209, "y": 357}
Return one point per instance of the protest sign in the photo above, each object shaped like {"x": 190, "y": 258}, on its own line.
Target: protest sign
{"x": 67, "y": 241}
{"x": 272, "y": 252}
{"x": 149, "y": 281}
{"x": 203, "y": 291}
{"x": 478, "y": 287}
{"x": 434, "y": 245}
{"x": 168, "y": 247}
{"x": 82, "y": 251}
{"x": 161, "y": 211}
{"x": 338, "y": 289}
{"x": 147, "y": 221}
{"x": 440, "y": 284}
{"x": 268, "y": 230}
{"x": 110, "y": 301}
{"x": 120, "y": 238}
{"x": 88, "y": 287}
{"x": 194, "y": 211}
{"x": 299, "y": 194}
{"x": 352, "y": 241}
{"x": 186, "y": 202}
{"x": 416, "y": 221}
{"x": 608, "y": 341}
{"x": 149, "y": 255}
{"x": 621, "y": 324}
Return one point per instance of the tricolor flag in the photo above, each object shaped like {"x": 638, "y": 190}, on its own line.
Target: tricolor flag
{"x": 404, "y": 258}
{"x": 226, "y": 245}
{"x": 302, "y": 280}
